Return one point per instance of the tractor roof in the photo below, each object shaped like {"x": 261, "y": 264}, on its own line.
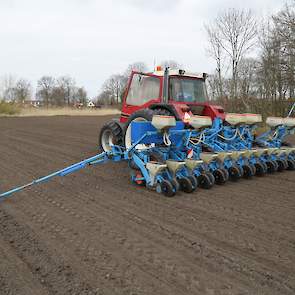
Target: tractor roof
{"x": 179, "y": 72}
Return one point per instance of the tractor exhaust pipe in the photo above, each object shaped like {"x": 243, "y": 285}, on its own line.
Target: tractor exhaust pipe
{"x": 166, "y": 85}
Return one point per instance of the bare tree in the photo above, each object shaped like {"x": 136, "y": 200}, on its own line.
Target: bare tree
{"x": 216, "y": 51}
{"x": 284, "y": 29}
{"x": 80, "y": 96}
{"x": 234, "y": 31}
{"x": 67, "y": 87}
{"x": 22, "y": 90}
{"x": 8, "y": 88}
{"x": 284, "y": 23}
{"x": 45, "y": 87}
{"x": 104, "y": 98}
{"x": 114, "y": 87}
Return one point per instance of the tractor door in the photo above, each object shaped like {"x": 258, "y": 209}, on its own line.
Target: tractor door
{"x": 143, "y": 90}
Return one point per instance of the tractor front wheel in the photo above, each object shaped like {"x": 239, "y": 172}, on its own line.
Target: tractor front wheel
{"x": 110, "y": 134}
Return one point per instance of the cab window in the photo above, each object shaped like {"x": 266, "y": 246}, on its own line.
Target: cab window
{"x": 143, "y": 89}
{"x": 187, "y": 89}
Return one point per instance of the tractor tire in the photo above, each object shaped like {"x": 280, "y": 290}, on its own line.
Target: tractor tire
{"x": 167, "y": 189}
{"x": 260, "y": 170}
{"x": 234, "y": 173}
{"x": 110, "y": 134}
{"x": 220, "y": 177}
{"x": 162, "y": 112}
{"x": 185, "y": 185}
{"x": 142, "y": 115}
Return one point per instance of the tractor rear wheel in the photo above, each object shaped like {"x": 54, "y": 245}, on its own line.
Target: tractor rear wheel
{"x": 110, "y": 134}
{"x": 141, "y": 115}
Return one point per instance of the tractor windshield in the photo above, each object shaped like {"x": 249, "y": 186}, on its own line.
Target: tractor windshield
{"x": 187, "y": 89}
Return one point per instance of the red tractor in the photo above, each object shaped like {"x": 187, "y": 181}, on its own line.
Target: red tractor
{"x": 170, "y": 92}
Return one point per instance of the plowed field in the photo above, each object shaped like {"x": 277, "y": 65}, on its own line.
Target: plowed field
{"x": 93, "y": 232}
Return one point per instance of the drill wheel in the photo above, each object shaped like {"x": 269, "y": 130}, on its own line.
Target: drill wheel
{"x": 212, "y": 178}
{"x": 175, "y": 184}
{"x": 291, "y": 165}
{"x": 234, "y": 173}
{"x": 167, "y": 189}
{"x": 220, "y": 177}
{"x": 248, "y": 171}
{"x": 194, "y": 181}
{"x": 186, "y": 185}
{"x": 281, "y": 165}
{"x": 260, "y": 169}
{"x": 271, "y": 167}
{"x": 205, "y": 180}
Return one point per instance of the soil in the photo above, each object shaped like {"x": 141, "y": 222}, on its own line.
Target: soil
{"x": 93, "y": 232}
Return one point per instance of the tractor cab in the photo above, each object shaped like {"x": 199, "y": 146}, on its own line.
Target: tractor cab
{"x": 174, "y": 92}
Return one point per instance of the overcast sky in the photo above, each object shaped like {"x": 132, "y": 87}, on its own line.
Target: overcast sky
{"x": 92, "y": 39}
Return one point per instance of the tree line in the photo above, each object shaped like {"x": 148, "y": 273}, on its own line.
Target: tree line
{"x": 51, "y": 91}
{"x": 255, "y": 62}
